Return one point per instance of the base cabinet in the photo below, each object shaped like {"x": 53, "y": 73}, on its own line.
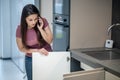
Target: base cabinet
{"x": 56, "y": 66}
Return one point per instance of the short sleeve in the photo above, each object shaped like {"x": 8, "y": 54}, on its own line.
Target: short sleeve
{"x": 45, "y": 23}
{"x": 18, "y": 32}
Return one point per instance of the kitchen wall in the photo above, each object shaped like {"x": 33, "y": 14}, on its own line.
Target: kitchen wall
{"x": 0, "y": 29}
{"x": 47, "y": 10}
{"x": 5, "y": 48}
{"x": 89, "y": 22}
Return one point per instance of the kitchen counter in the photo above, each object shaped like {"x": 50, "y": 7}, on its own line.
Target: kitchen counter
{"x": 112, "y": 66}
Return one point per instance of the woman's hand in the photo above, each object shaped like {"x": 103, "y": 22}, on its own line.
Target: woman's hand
{"x": 46, "y": 32}
{"x": 43, "y": 51}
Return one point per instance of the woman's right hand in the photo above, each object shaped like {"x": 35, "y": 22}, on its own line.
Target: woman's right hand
{"x": 43, "y": 51}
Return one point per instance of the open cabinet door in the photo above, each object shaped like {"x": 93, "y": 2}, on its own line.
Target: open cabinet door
{"x": 51, "y": 67}
{"x": 97, "y": 74}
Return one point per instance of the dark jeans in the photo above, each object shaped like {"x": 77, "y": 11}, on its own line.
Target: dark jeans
{"x": 28, "y": 67}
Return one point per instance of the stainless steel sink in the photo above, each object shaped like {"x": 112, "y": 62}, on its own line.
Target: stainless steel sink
{"x": 104, "y": 54}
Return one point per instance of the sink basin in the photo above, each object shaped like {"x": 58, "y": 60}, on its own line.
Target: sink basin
{"x": 104, "y": 54}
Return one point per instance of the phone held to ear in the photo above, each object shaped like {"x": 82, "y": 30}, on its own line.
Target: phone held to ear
{"x": 38, "y": 23}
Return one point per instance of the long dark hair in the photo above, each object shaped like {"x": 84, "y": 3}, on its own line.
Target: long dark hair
{"x": 29, "y": 9}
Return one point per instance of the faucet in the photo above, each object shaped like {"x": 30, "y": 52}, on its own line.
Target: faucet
{"x": 109, "y": 42}
{"x": 110, "y": 27}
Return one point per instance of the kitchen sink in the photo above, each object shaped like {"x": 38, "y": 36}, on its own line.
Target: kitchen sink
{"x": 104, "y": 54}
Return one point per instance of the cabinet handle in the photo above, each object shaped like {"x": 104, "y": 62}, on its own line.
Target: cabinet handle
{"x": 68, "y": 59}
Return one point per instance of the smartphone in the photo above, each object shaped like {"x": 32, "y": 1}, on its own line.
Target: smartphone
{"x": 38, "y": 23}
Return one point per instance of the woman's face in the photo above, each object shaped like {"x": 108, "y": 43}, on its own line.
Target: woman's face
{"x": 31, "y": 20}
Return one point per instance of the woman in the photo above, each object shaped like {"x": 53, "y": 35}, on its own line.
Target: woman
{"x": 33, "y": 35}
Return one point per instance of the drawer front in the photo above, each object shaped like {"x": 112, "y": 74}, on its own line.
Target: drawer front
{"x": 97, "y": 74}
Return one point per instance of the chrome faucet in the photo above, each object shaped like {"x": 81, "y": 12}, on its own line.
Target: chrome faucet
{"x": 109, "y": 41}
{"x": 110, "y": 27}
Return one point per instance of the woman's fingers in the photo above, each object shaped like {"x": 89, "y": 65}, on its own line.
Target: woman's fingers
{"x": 43, "y": 51}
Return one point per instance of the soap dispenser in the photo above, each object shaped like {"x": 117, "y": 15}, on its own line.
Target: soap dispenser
{"x": 109, "y": 43}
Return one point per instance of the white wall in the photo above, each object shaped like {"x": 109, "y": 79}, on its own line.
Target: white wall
{"x": 0, "y": 30}
{"x": 46, "y": 10}
{"x": 89, "y": 22}
{"x": 5, "y": 29}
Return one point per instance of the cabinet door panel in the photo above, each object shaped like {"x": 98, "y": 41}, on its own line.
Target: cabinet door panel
{"x": 51, "y": 67}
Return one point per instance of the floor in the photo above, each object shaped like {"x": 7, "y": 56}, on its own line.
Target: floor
{"x": 9, "y": 71}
